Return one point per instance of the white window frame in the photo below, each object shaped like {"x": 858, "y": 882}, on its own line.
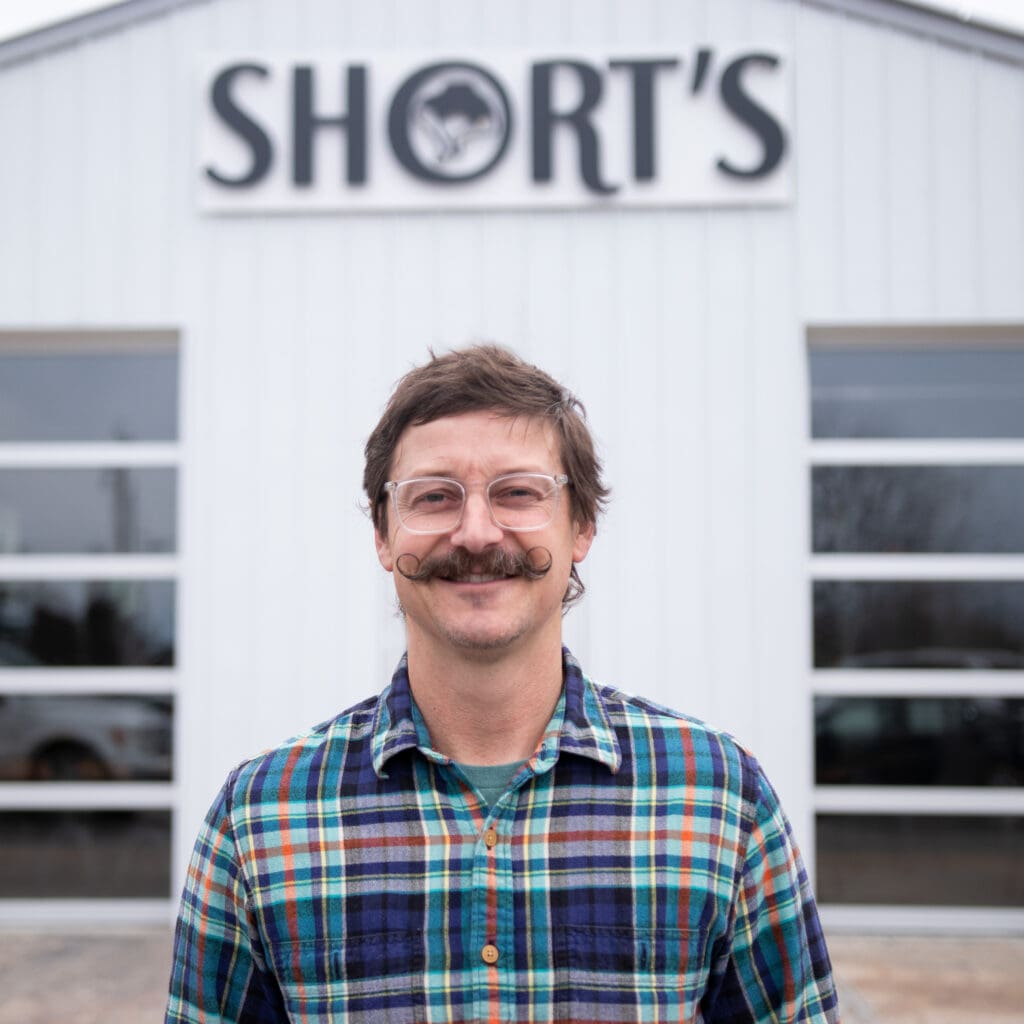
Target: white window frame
{"x": 916, "y": 682}
{"x": 60, "y": 681}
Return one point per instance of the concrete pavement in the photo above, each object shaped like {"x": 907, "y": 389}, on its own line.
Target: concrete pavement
{"x": 120, "y": 976}
{"x": 934, "y": 980}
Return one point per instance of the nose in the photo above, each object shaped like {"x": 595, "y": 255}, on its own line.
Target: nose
{"x": 477, "y": 531}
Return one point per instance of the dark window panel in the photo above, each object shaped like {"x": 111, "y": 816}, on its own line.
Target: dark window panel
{"x": 86, "y": 622}
{"x": 917, "y": 392}
{"x": 921, "y": 860}
{"x": 93, "y": 395}
{"x": 85, "y": 854}
{"x": 921, "y": 624}
{"x": 918, "y": 509}
{"x": 88, "y": 511}
{"x": 919, "y": 741}
{"x": 85, "y": 738}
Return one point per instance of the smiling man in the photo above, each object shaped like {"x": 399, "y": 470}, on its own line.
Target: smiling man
{"x": 495, "y": 837}
{"x": 482, "y": 545}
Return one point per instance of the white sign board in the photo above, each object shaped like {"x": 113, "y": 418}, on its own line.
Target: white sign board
{"x": 415, "y": 131}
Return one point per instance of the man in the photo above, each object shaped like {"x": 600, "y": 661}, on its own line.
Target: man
{"x": 495, "y": 837}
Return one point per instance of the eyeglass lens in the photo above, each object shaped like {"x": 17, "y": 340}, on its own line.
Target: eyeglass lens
{"x": 526, "y": 501}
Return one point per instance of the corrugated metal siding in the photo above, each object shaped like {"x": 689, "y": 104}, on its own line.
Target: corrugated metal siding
{"x": 911, "y": 155}
{"x": 682, "y": 330}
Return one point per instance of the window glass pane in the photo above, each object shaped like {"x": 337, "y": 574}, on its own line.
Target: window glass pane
{"x": 86, "y": 622}
{"x": 85, "y": 738}
{"x": 87, "y": 511}
{"x": 97, "y": 854}
{"x": 919, "y": 741}
{"x": 923, "y": 624}
{"x": 917, "y": 392}
{"x": 968, "y": 509}
{"x": 88, "y": 396}
{"x": 922, "y": 860}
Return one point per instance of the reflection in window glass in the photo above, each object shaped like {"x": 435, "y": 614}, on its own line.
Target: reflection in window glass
{"x": 917, "y": 392}
{"x": 86, "y": 622}
{"x": 85, "y": 738}
{"x": 923, "y": 860}
{"x": 64, "y": 395}
{"x": 921, "y": 624}
{"x": 919, "y": 741}
{"x": 967, "y": 509}
{"x": 87, "y": 511}
{"x": 87, "y": 854}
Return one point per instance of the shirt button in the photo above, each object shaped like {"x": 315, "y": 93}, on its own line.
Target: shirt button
{"x": 490, "y": 838}
{"x": 489, "y": 954}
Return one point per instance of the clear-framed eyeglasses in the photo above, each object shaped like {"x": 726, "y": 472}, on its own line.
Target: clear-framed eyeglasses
{"x": 517, "y": 501}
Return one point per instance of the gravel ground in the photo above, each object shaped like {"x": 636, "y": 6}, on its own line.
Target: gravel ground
{"x": 935, "y": 980}
{"x": 108, "y": 977}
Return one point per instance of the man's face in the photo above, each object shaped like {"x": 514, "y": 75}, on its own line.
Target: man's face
{"x": 482, "y": 614}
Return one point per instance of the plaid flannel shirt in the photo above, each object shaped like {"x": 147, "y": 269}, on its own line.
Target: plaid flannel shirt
{"x": 637, "y": 868}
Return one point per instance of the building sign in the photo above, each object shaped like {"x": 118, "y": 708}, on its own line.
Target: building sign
{"x": 709, "y": 126}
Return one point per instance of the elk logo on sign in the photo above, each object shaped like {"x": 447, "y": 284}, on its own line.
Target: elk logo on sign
{"x": 450, "y": 122}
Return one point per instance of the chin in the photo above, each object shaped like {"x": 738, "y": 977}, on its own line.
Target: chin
{"x": 482, "y": 640}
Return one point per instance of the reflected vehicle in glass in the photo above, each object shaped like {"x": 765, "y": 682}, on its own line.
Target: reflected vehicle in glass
{"x": 71, "y": 738}
{"x": 919, "y": 624}
{"x": 919, "y": 741}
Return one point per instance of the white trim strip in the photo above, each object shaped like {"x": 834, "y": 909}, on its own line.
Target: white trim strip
{"x": 89, "y": 567}
{"x": 917, "y": 683}
{"x": 59, "y": 915}
{"x": 87, "y": 454}
{"x": 90, "y": 681}
{"x": 917, "y": 567}
{"x": 885, "y": 452}
{"x": 843, "y": 917}
{"x": 87, "y": 796}
{"x": 942, "y": 800}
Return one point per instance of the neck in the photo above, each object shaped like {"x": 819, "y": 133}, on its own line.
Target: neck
{"x": 486, "y": 707}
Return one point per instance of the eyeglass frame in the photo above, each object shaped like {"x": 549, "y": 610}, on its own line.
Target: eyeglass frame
{"x": 559, "y": 480}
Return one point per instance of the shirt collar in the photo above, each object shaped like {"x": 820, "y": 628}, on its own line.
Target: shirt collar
{"x": 584, "y": 729}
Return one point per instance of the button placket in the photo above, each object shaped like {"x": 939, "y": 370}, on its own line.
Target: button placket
{"x": 493, "y": 875}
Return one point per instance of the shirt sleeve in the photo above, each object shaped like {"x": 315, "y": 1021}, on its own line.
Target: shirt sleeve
{"x": 218, "y": 972}
{"x": 773, "y": 968}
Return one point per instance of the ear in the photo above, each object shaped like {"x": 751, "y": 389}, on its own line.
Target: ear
{"x": 384, "y": 554}
{"x": 584, "y": 538}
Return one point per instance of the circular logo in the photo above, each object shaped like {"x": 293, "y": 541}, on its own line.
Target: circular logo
{"x": 450, "y": 122}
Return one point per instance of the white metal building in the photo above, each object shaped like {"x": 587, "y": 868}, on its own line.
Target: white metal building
{"x": 228, "y": 226}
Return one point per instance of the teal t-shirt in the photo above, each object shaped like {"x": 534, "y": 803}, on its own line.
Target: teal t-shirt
{"x": 490, "y": 779}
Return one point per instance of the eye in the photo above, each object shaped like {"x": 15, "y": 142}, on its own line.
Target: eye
{"x": 430, "y": 496}
{"x": 433, "y": 498}
{"x": 518, "y": 491}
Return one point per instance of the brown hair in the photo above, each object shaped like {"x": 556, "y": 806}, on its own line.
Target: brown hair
{"x": 479, "y": 378}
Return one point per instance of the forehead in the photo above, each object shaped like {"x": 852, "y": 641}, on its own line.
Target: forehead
{"x": 477, "y": 444}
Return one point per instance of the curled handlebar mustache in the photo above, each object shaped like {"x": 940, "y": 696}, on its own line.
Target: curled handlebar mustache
{"x": 457, "y": 563}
